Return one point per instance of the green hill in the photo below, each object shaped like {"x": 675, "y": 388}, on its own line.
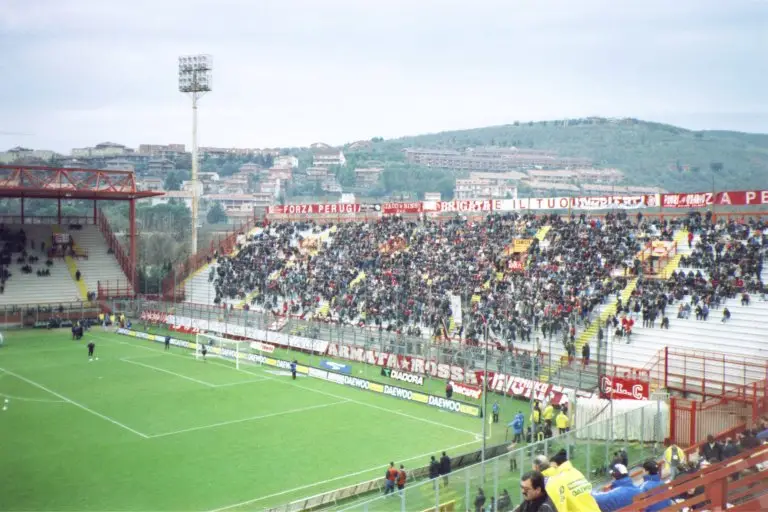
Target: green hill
{"x": 650, "y": 154}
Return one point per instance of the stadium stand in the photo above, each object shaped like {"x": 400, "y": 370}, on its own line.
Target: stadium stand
{"x": 100, "y": 265}
{"x": 705, "y": 284}
{"x": 739, "y": 483}
{"x": 23, "y": 258}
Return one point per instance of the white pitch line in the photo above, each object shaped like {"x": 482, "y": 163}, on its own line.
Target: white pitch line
{"x": 81, "y": 406}
{"x": 169, "y": 372}
{"x": 252, "y": 418}
{"x": 322, "y": 482}
{"x": 332, "y": 395}
{"x": 40, "y": 400}
{"x": 230, "y": 384}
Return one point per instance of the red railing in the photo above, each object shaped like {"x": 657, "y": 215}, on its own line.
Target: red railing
{"x": 119, "y": 290}
{"x": 28, "y": 314}
{"x": 705, "y": 375}
{"x": 716, "y": 489}
{"x": 114, "y": 244}
{"x": 172, "y": 286}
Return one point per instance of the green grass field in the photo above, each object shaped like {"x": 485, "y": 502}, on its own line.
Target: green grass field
{"x": 145, "y": 429}
{"x": 142, "y": 429}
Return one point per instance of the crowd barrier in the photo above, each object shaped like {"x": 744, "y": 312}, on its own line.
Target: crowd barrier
{"x": 40, "y": 315}
{"x": 516, "y": 373}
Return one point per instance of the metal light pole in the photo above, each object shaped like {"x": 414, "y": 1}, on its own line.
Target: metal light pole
{"x": 195, "y": 79}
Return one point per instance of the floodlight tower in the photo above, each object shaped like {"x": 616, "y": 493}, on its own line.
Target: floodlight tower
{"x": 195, "y": 79}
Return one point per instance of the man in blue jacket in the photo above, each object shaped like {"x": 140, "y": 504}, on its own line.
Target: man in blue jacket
{"x": 652, "y": 480}
{"x": 517, "y": 425}
{"x": 622, "y": 491}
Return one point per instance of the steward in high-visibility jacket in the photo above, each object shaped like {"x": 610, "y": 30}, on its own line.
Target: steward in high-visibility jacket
{"x": 536, "y": 416}
{"x": 563, "y": 422}
{"x": 674, "y": 457}
{"x": 568, "y": 489}
{"x": 548, "y": 413}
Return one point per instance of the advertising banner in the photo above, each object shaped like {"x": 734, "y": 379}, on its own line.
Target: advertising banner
{"x": 263, "y": 347}
{"x": 335, "y": 367}
{"x": 468, "y": 205}
{"x": 187, "y": 324}
{"x": 401, "y": 362}
{"x": 619, "y": 388}
{"x": 330, "y": 376}
{"x": 520, "y": 387}
{"x": 323, "y": 208}
{"x": 410, "y": 378}
{"x": 467, "y": 390}
{"x": 401, "y": 208}
{"x": 704, "y": 199}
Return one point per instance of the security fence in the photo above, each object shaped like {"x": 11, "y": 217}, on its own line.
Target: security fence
{"x": 591, "y": 449}
{"x": 523, "y": 362}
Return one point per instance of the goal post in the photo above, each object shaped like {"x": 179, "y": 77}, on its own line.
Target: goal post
{"x": 226, "y": 348}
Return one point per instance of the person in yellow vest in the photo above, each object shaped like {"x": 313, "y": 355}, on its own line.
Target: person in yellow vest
{"x": 548, "y": 413}
{"x": 101, "y": 321}
{"x": 535, "y": 418}
{"x": 562, "y": 422}
{"x": 674, "y": 457}
{"x": 567, "y": 488}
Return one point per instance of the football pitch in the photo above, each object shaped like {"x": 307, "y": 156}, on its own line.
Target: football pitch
{"x": 146, "y": 429}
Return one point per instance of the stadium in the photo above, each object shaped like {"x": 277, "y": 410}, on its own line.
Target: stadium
{"x": 287, "y": 365}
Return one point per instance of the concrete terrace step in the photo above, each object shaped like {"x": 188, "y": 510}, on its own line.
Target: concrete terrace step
{"x": 591, "y": 332}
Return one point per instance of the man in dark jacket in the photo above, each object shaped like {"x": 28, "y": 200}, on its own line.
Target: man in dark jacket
{"x": 445, "y": 467}
{"x": 434, "y": 468}
{"x": 730, "y": 449}
{"x": 479, "y": 500}
{"x": 712, "y": 451}
{"x": 535, "y": 498}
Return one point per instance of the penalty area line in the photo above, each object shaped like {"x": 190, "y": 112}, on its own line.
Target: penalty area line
{"x": 69, "y": 400}
{"x": 252, "y": 418}
{"x": 308, "y": 388}
{"x": 169, "y": 372}
{"x": 322, "y": 482}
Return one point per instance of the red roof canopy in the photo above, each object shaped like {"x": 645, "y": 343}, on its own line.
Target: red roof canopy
{"x": 43, "y": 182}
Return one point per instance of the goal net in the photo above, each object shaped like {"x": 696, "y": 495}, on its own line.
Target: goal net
{"x": 221, "y": 347}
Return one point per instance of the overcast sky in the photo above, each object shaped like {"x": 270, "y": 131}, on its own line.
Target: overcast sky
{"x": 290, "y": 72}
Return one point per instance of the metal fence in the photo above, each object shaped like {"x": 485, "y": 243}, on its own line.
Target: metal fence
{"x": 521, "y": 362}
{"x": 37, "y": 315}
{"x": 591, "y": 449}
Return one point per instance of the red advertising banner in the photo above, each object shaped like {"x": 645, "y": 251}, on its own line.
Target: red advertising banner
{"x": 400, "y": 208}
{"x": 467, "y": 390}
{"x": 405, "y": 363}
{"x": 153, "y": 316}
{"x": 619, "y": 388}
{"x": 704, "y": 199}
{"x": 520, "y": 387}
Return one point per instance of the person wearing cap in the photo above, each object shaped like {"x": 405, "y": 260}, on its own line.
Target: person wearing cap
{"x": 567, "y": 487}
{"x": 652, "y": 480}
{"x": 622, "y": 491}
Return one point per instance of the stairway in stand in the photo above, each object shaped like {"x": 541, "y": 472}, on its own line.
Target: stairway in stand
{"x": 591, "y": 331}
